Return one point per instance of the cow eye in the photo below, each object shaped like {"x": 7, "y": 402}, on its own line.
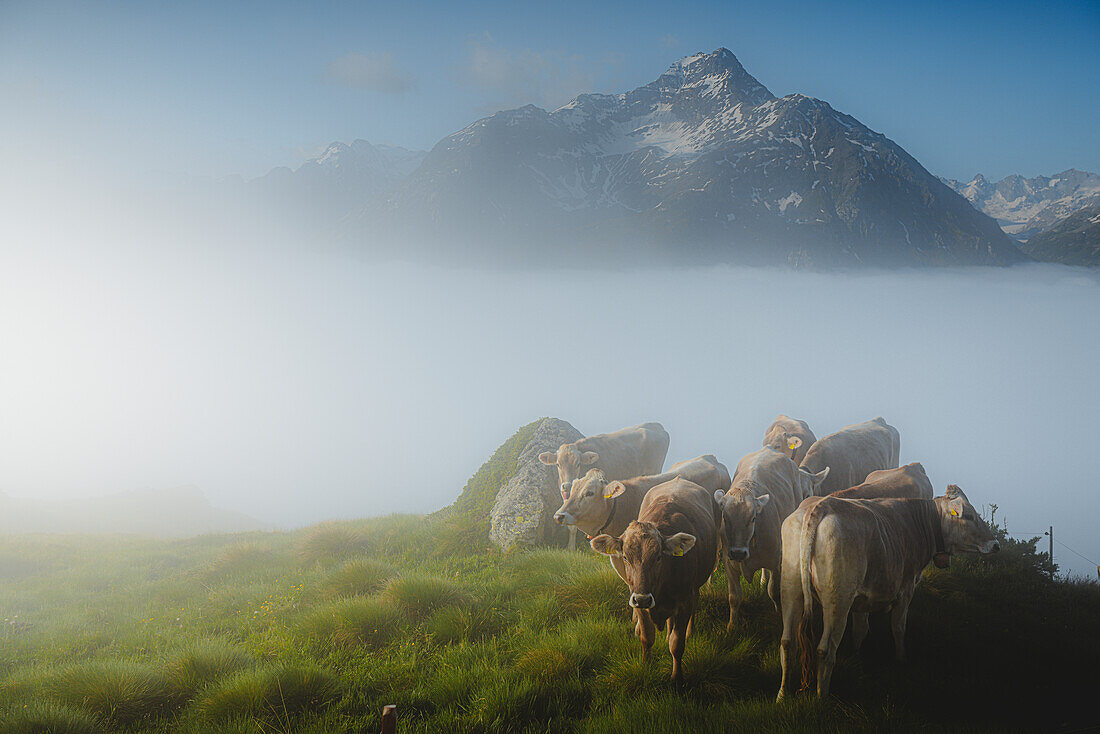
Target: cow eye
{"x": 589, "y": 493}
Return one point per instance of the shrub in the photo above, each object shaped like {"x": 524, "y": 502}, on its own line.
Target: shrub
{"x": 196, "y": 666}
{"x": 274, "y": 693}
{"x": 116, "y": 691}
{"x": 48, "y": 718}
{"x": 360, "y": 576}
{"x": 329, "y": 543}
{"x": 420, "y": 595}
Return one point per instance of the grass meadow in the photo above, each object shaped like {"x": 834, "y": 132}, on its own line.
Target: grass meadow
{"x": 315, "y": 630}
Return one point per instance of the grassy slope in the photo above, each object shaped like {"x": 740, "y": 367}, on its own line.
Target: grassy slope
{"x": 314, "y": 631}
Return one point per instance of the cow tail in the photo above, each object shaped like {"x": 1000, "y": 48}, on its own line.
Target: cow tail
{"x": 805, "y": 555}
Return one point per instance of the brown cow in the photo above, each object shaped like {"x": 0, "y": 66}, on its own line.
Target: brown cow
{"x": 864, "y": 555}
{"x": 767, "y": 487}
{"x": 669, "y": 552}
{"x": 852, "y": 453}
{"x": 909, "y": 481}
{"x": 629, "y": 452}
{"x": 789, "y": 436}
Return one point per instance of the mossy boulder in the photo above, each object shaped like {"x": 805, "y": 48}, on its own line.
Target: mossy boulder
{"x": 522, "y": 515}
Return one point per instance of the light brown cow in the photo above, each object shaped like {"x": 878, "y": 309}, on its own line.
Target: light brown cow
{"x": 669, "y": 553}
{"x": 767, "y": 487}
{"x": 905, "y": 482}
{"x": 852, "y": 453}
{"x": 629, "y": 452}
{"x": 863, "y": 556}
{"x": 789, "y": 436}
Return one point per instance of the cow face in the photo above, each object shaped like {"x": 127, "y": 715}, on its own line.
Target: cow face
{"x": 739, "y": 512}
{"x": 588, "y": 500}
{"x": 645, "y": 553}
{"x": 963, "y": 529}
{"x": 571, "y": 463}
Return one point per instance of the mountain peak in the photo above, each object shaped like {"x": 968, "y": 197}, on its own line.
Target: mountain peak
{"x": 718, "y": 75}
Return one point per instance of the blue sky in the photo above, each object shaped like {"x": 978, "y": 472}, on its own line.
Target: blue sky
{"x": 220, "y": 88}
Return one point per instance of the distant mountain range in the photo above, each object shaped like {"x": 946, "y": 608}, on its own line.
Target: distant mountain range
{"x": 703, "y": 165}
{"x": 1074, "y": 240}
{"x": 175, "y": 513}
{"x": 1025, "y": 207}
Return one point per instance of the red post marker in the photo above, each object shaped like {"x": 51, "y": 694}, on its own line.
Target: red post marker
{"x": 389, "y": 719}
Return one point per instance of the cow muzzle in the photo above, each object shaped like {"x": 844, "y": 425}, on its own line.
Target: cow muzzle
{"x": 992, "y": 546}
{"x": 641, "y": 601}
{"x": 739, "y": 554}
{"x": 563, "y": 518}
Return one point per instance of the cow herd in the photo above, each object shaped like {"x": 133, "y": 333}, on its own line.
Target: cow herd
{"x": 834, "y": 520}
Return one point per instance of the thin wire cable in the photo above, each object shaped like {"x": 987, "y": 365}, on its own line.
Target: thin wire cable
{"x": 1076, "y": 553}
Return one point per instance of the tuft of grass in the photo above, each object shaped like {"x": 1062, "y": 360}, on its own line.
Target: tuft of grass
{"x": 356, "y": 577}
{"x": 358, "y": 621}
{"x": 46, "y": 717}
{"x": 114, "y": 691}
{"x": 329, "y": 543}
{"x": 238, "y": 561}
{"x": 420, "y": 595}
{"x": 194, "y": 667}
{"x": 276, "y": 693}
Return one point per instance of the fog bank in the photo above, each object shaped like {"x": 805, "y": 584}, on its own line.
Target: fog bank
{"x": 296, "y": 386}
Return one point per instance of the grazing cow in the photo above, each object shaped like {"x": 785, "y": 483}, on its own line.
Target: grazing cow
{"x": 669, "y": 552}
{"x": 767, "y": 487}
{"x": 789, "y": 436}
{"x": 864, "y": 555}
{"x": 630, "y": 452}
{"x": 852, "y": 453}
{"x": 909, "y": 481}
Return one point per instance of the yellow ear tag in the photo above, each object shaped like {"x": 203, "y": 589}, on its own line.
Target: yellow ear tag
{"x": 607, "y": 495}
{"x": 678, "y": 552}
{"x": 792, "y": 445}
{"x": 953, "y": 512}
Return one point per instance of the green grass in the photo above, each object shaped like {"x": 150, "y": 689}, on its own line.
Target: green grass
{"x": 314, "y": 631}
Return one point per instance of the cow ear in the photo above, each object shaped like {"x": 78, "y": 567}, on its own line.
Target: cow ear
{"x": 954, "y": 491}
{"x": 794, "y": 442}
{"x": 819, "y": 478}
{"x": 719, "y": 496}
{"x": 679, "y": 544}
{"x": 613, "y": 490}
{"x": 762, "y": 501}
{"x": 607, "y": 545}
{"x": 955, "y": 507}
{"x": 589, "y": 457}
{"x": 549, "y": 458}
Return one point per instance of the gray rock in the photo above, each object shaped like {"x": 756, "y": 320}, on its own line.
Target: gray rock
{"x": 522, "y": 514}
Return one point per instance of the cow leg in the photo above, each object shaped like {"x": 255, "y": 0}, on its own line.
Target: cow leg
{"x": 788, "y": 644}
{"x": 647, "y": 631}
{"x": 860, "y": 625}
{"x": 836, "y": 619}
{"x": 733, "y": 576}
{"x": 773, "y": 588}
{"x": 572, "y": 538}
{"x": 898, "y": 617}
{"x": 677, "y": 637}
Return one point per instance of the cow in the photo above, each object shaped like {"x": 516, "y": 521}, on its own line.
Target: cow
{"x": 669, "y": 552}
{"x": 767, "y": 487}
{"x": 852, "y": 453}
{"x": 864, "y": 555}
{"x": 630, "y": 452}
{"x": 909, "y": 481}
{"x": 789, "y": 436}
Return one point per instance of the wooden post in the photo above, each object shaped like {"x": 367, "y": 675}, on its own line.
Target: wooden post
{"x": 389, "y": 719}
{"x": 1051, "y": 534}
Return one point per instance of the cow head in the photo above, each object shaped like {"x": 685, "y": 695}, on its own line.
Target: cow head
{"x": 810, "y": 482}
{"x": 570, "y": 462}
{"x": 740, "y": 508}
{"x": 645, "y": 553}
{"x": 588, "y": 500}
{"x": 963, "y": 529}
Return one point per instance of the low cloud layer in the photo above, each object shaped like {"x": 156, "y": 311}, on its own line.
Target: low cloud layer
{"x": 376, "y": 72}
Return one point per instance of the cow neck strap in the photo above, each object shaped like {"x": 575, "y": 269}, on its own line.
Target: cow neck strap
{"x": 614, "y": 505}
